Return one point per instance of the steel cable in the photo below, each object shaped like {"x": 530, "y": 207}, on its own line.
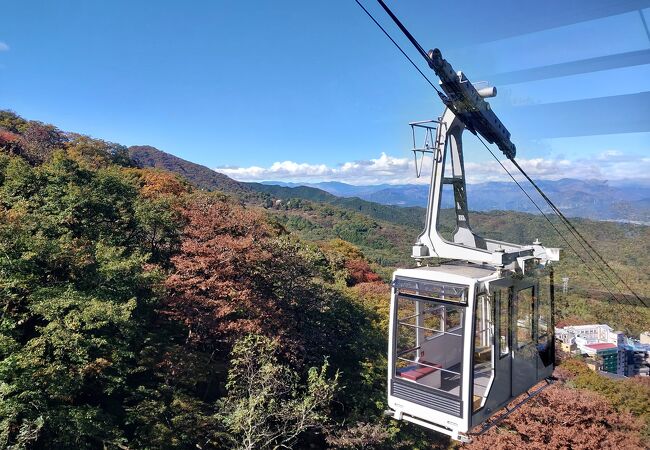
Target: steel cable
{"x": 576, "y": 234}
{"x": 552, "y": 224}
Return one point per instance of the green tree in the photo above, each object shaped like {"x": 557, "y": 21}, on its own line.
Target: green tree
{"x": 266, "y": 407}
{"x": 77, "y": 295}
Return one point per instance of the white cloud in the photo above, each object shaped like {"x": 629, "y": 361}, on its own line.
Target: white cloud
{"x": 385, "y": 169}
{"x": 3, "y": 47}
{"x": 611, "y": 165}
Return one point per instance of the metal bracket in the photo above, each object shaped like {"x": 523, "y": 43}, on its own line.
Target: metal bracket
{"x": 465, "y": 245}
{"x": 429, "y": 143}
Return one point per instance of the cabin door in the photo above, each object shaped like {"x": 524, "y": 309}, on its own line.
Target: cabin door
{"x": 522, "y": 332}
{"x": 501, "y": 292}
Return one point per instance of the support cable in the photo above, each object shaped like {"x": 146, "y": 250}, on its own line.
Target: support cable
{"x": 406, "y": 32}
{"x": 579, "y": 237}
{"x": 438, "y": 91}
{"x": 553, "y": 225}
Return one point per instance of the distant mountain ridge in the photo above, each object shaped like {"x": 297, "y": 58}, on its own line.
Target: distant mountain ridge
{"x": 593, "y": 199}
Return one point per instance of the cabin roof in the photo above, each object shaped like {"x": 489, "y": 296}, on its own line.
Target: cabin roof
{"x": 454, "y": 272}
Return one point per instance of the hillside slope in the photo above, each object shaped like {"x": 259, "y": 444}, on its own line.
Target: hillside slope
{"x": 206, "y": 178}
{"x": 200, "y": 176}
{"x": 410, "y": 216}
{"x": 129, "y": 298}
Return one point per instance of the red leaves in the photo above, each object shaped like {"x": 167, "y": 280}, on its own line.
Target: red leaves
{"x": 11, "y": 143}
{"x": 211, "y": 290}
{"x": 360, "y": 272}
{"x": 564, "y": 418}
{"x": 7, "y": 137}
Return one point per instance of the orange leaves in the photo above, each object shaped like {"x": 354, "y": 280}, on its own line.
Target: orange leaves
{"x": 212, "y": 289}
{"x": 564, "y": 418}
{"x": 156, "y": 183}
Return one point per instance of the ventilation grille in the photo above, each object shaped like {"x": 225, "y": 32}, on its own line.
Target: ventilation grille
{"x": 426, "y": 398}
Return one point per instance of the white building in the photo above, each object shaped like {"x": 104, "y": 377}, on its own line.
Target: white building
{"x": 586, "y": 336}
{"x": 645, "y": 337}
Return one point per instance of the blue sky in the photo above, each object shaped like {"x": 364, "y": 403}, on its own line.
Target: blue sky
{"x": 300, "y": 90}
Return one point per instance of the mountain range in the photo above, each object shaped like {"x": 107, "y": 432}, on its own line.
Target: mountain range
{"x": 593, "y": 199}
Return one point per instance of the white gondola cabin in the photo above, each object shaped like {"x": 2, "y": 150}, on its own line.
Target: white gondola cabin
{"x": 465, "y": 340}
{"x": 468, "y": 336}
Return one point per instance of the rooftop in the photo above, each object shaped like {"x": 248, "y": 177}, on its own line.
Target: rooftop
{"x": 586, "y": 327}
{"x": 602, "y": 346}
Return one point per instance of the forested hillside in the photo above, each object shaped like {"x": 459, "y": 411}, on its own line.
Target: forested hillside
{"x": 402, "y": 216}
{"x": 199, "y": 176}
{"x": 141, "y": 311}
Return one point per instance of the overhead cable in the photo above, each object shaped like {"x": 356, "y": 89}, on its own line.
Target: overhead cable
{"x": 553, "y": 225}
{"x": 440, "y": 93}
{"x": 579, "y": 237}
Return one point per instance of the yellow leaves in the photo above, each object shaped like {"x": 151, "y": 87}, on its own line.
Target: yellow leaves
{"x": 96, "y": 367}
{"x": 15, "y": 215}
{"x": 97, "y": 313}
{"x": 89, "y": 153}
{"x": 343, "y": 248}
{"x": 155, "y": 183}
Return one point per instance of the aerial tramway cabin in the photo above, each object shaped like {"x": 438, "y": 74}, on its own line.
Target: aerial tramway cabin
{"x": 465, "y": 340}
{"x": 470, "y": 335}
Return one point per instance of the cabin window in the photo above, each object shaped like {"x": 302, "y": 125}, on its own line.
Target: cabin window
{"x": 483, "y": 349}
{"x": 524, "y": 317}
{"x": 502, "y": 297}
{"x": 429, "y": 343}
{"x": 432, "y": 290}
{"x": 544, "y": 321}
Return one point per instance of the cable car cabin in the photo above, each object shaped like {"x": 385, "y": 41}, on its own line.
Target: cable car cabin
{"x": 469, "y": 336}
{"x": 465, "y": 339}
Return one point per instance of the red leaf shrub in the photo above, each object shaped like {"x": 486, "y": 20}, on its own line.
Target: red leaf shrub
{"x": 564, "y": 418}
{"x": 211, "y": 290}
{"x": 11, "y": 143}
{"x": 360, "y": 272}
{"x": 234, "y": 275}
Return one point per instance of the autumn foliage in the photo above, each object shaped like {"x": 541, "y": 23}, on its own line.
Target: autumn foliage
{"x": 157, "y": 183}
{"x": 564, "y": 418}
{"x": 213, "y": 289}
{"x": 360, "y": 272}
{"x": 140, "y": 312}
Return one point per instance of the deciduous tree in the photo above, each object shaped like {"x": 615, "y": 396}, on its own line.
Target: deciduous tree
{"x": 266, "y": 406}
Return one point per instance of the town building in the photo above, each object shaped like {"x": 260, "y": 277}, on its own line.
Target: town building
{"x": 607, "y": 350}
{"x": 645, "y": 337}
{"x": 637, "y": 358}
